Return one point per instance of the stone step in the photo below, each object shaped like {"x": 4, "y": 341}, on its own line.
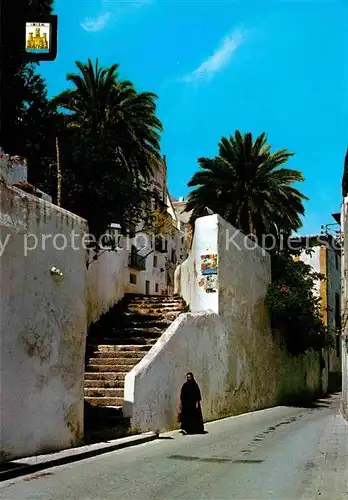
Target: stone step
{"x": 153, "y": 297}
{"x": 105, "y": 376}
{"x": 121, "y": 342}
{"x": 109, "y": 411}
{"x": 137, "y": 328}
{"x": 107, "y": 384}
{"x": 117, "y": 361}
{"x": 121, "y": 348}
{"x": 155, "y": 307}
{"x": 119, "y": 354}
{"x": 129, "y": 333}
{"x": 110, "y": 368}
{"x": 98, "y": 392}
{"x": 146, "y": 323}
{"x": 100, "y": 401}
{"x": 148, "y": 315}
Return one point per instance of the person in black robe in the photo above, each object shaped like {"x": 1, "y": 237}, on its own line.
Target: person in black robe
{"x": 191, "y": 417}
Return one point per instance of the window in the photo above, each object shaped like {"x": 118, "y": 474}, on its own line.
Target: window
{"x": 173, "y": 259}
{"x": 133, "y": 279}
{"x": 156, "y": 287}
{"x": 155, "y": 261}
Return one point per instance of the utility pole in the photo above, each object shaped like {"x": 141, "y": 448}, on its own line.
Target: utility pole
{"x": 59, "y": 175}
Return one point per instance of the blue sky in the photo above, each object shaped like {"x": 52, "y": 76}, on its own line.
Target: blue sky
{"x": 222, "y": 65}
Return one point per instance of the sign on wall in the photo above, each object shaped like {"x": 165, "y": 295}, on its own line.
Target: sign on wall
{"x": 40, "y": 38}
{"x": 209, "y": 264}
{"x": 209, "y": 270}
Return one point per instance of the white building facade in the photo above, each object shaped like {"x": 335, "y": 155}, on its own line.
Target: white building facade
{"x": 152, "y": 259}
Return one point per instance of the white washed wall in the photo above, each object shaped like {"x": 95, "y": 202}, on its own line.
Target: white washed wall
{"x": 226, "y": 340}
{"x": 43, "y": 321}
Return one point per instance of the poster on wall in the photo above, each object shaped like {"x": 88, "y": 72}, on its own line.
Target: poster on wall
{"x": 209, "y": 270}
{"x": 209, "y": 264}
{"x": 211, "y": 283}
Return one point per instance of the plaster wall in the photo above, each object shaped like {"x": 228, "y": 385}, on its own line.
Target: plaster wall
{"x": 43, "y": 321}
{"x": 314, "y": 261}
{"x": 191, "y": 283}
{"x": 344, "y": 307}
{"x": 333, "y": 290}
{"x": 225, "y": 340}
{"x": 327, "y": 261}
{"x": 105, "y": 283}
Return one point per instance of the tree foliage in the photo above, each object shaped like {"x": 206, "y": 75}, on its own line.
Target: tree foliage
{"x": 109, "y": 144}
{"x": 21, "y": 89}
{"x": 110, "y": 109}
{"x": 294, "y": 307}
{"x": 160, "y": 223}
{"x": 246, "y": 186}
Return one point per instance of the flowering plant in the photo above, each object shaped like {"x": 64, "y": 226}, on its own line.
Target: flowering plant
{"x": 294, "y": 307}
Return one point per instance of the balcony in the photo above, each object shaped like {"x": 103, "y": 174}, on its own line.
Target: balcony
{"x": 136, "y": 261}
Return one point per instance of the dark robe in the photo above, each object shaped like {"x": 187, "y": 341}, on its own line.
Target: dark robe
{"x": 191, "y": 416}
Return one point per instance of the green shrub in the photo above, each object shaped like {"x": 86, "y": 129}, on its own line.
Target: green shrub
{"x": 294, "y": 307}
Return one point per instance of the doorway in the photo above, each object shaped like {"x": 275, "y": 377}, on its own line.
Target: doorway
{"x": 147, "y": 288}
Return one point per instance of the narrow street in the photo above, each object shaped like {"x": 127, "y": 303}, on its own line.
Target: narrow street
{"x": 280, "y": 453}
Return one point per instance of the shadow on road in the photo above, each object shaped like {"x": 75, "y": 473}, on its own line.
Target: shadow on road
{"x": 304, "y": 401}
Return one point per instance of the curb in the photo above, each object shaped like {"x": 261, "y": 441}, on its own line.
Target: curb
{"x": 41, "y": 462}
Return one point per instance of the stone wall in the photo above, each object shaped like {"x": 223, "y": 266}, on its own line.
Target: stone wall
{"x": 43, "y": 321}
{"x": 225, "y": 340}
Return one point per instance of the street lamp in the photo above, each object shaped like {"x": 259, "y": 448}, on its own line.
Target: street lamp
{"x": 108, "y": 242}
{"x": 112, "y": 238}
{"x": 115, "y": 232}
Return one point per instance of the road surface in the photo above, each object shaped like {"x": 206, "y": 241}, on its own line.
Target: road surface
{"x": 282, "y": 453}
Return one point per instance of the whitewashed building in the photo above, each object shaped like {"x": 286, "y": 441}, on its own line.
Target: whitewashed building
{"x": 152, "y": 259}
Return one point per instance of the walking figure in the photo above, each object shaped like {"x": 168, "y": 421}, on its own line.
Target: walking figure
{"x": 190, "y": 412}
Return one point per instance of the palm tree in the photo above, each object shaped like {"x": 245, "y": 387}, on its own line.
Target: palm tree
{"x": 114, "y": 113}
{"x": 245, "y": 185}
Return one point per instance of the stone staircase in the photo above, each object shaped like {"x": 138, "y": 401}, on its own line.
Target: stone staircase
{"x": 117, "y": 343}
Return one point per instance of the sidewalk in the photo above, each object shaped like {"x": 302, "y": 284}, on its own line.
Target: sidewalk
{"x": 330, "y": 468}
{"x": 33, "y": 464}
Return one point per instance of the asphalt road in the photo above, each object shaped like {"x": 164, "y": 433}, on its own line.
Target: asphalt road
{"x": 281, "y": 453}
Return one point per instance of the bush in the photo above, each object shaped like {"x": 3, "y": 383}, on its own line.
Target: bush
{"x": 295, "y": 310}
